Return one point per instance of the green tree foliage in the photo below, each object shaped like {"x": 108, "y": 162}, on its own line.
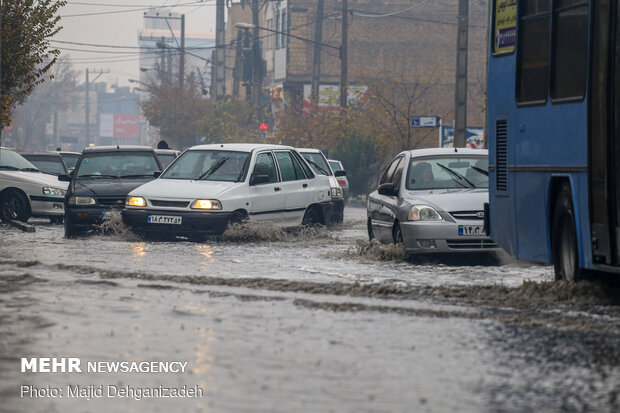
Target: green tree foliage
{"x": 358, "y": 155}
{"x": 27, "y": 26}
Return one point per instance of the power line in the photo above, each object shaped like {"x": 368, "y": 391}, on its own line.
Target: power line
{"x": 361, "y": 14}
{"x": 79, "y": 3}
{"x": 129, "y": 11}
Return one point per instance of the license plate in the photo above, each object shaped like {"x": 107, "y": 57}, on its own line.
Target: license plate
{"x": 471, "y": 230}
{"x": 164, "y": 219}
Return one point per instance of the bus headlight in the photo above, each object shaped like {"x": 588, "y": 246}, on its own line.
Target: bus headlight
{"x": 424, "y": 213}
{"x": 206, "y": 204}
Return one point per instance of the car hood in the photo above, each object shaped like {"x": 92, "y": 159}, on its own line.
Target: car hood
{"x": 106, "y": 187}
{"x": 183, "y": 189}
{"x": 36, "y": 178}
{"x": 465, "y": 199}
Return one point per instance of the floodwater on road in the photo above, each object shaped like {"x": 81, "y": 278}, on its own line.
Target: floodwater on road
{"x": 303, "y": 321}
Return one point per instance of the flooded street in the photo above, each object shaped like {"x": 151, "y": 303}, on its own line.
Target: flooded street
{"x": 305, "y": 321}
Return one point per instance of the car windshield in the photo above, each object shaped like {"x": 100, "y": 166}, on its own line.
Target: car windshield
{"x": 318, "y": 163}
{"x": 209, "y": 165}
{"x": 335, "y": 165}
{"x": 70, "y": 159}
{"x": 10, "y": 160}
{"x": 117, "y": 164}
{"x": 165, "y": 159}
{"x": 448, "y": 172}
{"x": 49, "y": 164}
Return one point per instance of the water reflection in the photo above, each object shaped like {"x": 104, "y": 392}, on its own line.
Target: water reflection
{"x": 206, "y": 252}
{"x": 201, "y": 365}
{"x": 139, "y": 250}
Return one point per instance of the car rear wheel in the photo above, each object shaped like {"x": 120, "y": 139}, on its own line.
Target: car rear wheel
{"x": 564, "y": 247}
{"x": 397, "y": 234}
{"x": 312, "y": 217}
{"x": 14, "y": 206}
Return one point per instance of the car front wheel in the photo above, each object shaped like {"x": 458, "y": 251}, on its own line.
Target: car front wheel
{"x": 70, "y": 230}
{"x": 14, "y": 206}
{"x": 397, "y": 234}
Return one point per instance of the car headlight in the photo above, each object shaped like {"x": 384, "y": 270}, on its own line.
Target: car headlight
{"x": 336, "y": 192}
{"x": 81, "y": 200}
{"x": 424, "y": 213}
{"x": 206, "y": 204}
{"x": 54, "y": 191}
{"x": 136, "y": 201}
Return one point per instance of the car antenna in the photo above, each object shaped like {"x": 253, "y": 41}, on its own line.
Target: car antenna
{"x": 115, "y": 141}
{"x": 456, "y": 149}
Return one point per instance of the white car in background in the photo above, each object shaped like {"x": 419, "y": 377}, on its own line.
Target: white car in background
{"x": 209, "y": 186}
{"x": 343, "y": 181}
{"x": 25, "y": 191}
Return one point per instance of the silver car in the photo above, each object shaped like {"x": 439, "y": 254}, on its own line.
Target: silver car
{"x": 432, "y": 200}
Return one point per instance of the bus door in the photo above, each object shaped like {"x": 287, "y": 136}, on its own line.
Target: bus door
{"x": 604, "y": 155}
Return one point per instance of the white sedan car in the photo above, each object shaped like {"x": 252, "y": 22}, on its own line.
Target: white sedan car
{"x": 25, "y": 191}
{"x": 209, "y": 186}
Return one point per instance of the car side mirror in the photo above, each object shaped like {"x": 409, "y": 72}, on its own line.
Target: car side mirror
{"x": 157, "y": 174}
{"x": 341, "y": 172}
{"x": 259, "y": 179}
{"x": 64, "y": 178}
{"x": 388, "y": 189}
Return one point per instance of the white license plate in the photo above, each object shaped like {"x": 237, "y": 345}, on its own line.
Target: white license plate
{"x": 471, "y": 230}
{"x": 164, "y": 219}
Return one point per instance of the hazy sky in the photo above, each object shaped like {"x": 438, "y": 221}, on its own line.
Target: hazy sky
{"x": 119, "y": 27}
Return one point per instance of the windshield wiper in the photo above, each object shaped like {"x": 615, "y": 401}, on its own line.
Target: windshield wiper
{"x": 213, "y": 168}
{"x": 97, "y": 176}
{"x": 480, "y": 170}
{"x": 321, "y": 170}
{"x": 30, "y": 170}
{"x": 10, "y": 168}
{"x": 458, "y": 175}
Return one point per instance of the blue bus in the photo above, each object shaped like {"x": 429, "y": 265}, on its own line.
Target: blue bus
{"x": 554, "y": 133}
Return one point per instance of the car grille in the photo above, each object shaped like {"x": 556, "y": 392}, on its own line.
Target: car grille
{"x": 111, "y": 201}
{"x": 174, "y": 204}
{"x": 479, "y": 215}
{"x": 482, "y": 244}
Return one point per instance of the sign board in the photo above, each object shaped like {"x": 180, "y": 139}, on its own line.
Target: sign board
{"x": 119, "y": 125}
{"x": 329, "y": 97}
{"x": 505, "y": 26}
{"x": 475, "y": 137}
{"x": 425, "y": 122}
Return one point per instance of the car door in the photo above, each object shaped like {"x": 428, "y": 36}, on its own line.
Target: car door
{"x": 266, "y": 199}
{"x": 295, "y": 187}
{"x": 383, "y": 206}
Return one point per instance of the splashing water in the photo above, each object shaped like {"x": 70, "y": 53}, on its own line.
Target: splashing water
{"x": 251, "y": 231}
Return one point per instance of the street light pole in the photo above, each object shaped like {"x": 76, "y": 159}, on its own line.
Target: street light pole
{"x": 256, "y": 62}
{"x": 182, "y": 57}
{"x": 343, "y": 54}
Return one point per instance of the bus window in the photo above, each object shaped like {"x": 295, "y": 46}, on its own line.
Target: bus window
{"x": 570, "y": 49}
{"x": 533, "y": 52}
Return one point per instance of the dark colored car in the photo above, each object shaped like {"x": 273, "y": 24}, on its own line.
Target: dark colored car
{"x": 166, "y": 156}
{"x": 102, "y": 178}
{"x": 48, "y": 162}
{"x": 70, "y": 159}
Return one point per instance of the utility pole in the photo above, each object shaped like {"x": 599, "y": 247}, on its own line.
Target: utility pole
{"x": 316, "y": 62}
{"x": 182, "y": 57}
{"x": 238, "y": 69}
{"x": 87, "y": 108}
{"x": 343, "y": 54}
{"x": 220, "y": 39}
{"x": 256, "y": 61}
{"x": 460, "y": 91}
{"x": 1, "y": 89}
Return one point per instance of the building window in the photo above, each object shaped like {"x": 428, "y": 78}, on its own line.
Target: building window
{"x": 569, "y": 49}
{"x": 533, "y": 52}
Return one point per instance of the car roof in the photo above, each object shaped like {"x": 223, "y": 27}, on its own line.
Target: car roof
{"x": 50, "y": 154}
{"x": 446, "y": 151}
{"x": 121, "y": 148}
{"x": 308, "y": 150}
{"x": 241, "y": 147}
{"x": 166, "y": 151}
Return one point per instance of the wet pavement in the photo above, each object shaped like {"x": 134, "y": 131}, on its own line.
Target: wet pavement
{"x": 302, "y": 321}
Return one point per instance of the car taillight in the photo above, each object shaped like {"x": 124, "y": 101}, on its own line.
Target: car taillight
{"x": 342, "y": 182}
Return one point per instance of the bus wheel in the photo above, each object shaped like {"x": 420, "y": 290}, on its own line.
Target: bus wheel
{"x": 564, "y": 247}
